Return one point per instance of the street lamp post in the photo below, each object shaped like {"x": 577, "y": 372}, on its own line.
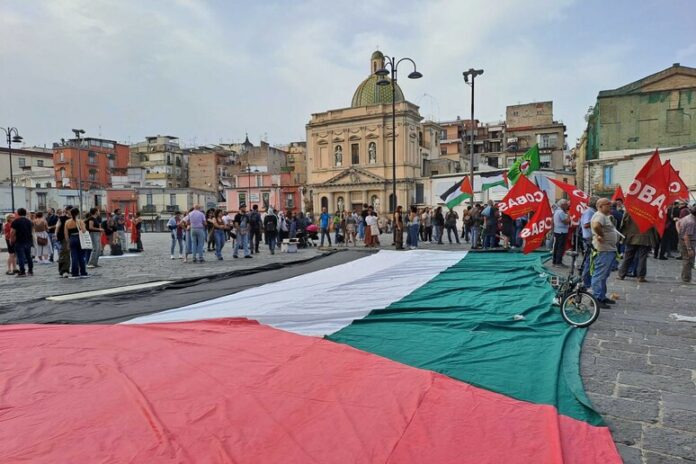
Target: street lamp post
{"x": 17, "y": 139}
{"x": 78, "y": 133}
{"x": 471, "y": 73}
{"x": 393, "y": 65}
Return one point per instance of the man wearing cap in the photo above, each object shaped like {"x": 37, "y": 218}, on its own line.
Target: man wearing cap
{"x": 686, "y": 228}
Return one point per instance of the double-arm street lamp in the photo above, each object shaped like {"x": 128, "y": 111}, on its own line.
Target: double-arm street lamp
{"x": 12, "y": 136}
{"x": 393, "y": 65}
{"x": 78, "y": 133}
{"x": 471, "y": 73}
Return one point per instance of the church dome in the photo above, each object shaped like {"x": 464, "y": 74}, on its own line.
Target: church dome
{"x": 369, "y": 93}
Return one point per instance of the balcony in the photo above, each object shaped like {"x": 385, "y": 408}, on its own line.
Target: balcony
{"x": 149, "y": 209}
{"x": 171, "y": 209}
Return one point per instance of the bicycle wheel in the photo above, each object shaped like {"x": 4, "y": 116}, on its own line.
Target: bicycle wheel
{"x": 579, "y": 309}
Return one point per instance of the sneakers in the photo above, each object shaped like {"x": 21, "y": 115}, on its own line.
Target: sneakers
{"x": 21, "y": 274}
{"x": 195, "y": 260}
{"x": 608, "y": 301}
{"x": 248, "y": 256}
{"x": 235, "y": 256}
{"x": 171, "y": 257}
{"x": 642, "y": 280}
{"x": 602, "y": 305}
{"x": 91, "y": 266}
{"x": 65, "y": 275}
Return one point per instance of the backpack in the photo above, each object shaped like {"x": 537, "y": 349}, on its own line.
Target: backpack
{"x": 270, "y": 225}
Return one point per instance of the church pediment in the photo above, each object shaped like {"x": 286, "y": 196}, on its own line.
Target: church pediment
{"x": 352, "y": 176}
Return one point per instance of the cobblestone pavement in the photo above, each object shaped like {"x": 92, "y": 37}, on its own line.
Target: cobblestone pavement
{"x": 638, "y": 363}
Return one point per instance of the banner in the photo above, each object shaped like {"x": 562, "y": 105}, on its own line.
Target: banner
{"x": 538, "y": 226}
{"x": 578, "y": 200}
{"x": 524, "y": 197}
{"x": 675, "y": 185}
{"x": 646, "y": 198}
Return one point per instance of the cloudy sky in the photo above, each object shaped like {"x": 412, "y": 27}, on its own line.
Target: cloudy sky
{"x": 211, "y": 70}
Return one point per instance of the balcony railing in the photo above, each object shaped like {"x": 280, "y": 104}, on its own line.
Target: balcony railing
{"x": 149, "y": 209}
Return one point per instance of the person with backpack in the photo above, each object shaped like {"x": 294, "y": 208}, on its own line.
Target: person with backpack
{"x": 254, "y": 229}
{"x": 270, "y": 228}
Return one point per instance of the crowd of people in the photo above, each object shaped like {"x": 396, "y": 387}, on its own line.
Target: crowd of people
{"x": 65, "y": 237}
{"x": 607, "y": 236}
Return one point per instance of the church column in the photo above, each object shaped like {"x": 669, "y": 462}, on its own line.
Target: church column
{"x": 330, "y": 197}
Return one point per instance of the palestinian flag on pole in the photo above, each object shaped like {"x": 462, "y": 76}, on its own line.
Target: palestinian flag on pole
{"x": 490, "y": 180}
{"x": 358, "y": 362}
{"x": 525, "y": 165}
{"x": 457, "y": 193}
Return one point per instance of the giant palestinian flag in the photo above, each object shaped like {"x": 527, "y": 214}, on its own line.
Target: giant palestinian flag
{"x": 396, "y": 357}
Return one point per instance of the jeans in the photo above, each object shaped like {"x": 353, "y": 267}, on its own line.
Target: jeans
{"x": 559, "y": 247}
{"x": 413, "y": 235}
{"x": 488, "y": 239}
{"x": 189, "y": 242}
{"x": 198, "y": 239}
{"x": 219, "y": 242}
{"x": 361, "y": 230}
{"x": 122, "y": 239}
{"x": 255, "y": 240}
{"x": 437, "y": 234}
{"x": 243, "y": 243}
{"x": 325, "y": 233}
{"x": 176, "y": 240}
{"x": 271, "y": 238}
{"x": 93, "y": 259}
{"x": 586, "y": 277}
{"x": 475, "y": 234}
{"x": 637, "y": 254}
{"x": 687, "y": 262}
{"x": 23, "y": 253}
{"x": 603, "y": 263}
{"x": 77, "y": 257}
{"x": 450, "y": 230}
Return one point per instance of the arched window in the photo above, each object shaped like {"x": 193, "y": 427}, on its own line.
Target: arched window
{"x": 338, "y": 156}
{"x": 372, "y": 152}
{"x": 325, "y": 202}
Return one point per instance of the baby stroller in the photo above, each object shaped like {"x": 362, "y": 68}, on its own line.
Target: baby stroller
{"x": 308, "y": 236}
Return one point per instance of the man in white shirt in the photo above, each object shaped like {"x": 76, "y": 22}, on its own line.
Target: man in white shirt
{"x": 586, "y": 228}
{"x": 561, "y": 222}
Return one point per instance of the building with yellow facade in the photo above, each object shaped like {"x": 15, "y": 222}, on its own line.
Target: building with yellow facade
{"x": 349, "y": 150}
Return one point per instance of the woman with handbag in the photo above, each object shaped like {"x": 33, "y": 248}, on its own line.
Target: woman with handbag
{"x": 75, "y": 232}
{"x": 43, "y": 242}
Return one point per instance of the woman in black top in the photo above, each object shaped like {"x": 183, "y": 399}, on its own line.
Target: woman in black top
{"x": 72, "y": 229}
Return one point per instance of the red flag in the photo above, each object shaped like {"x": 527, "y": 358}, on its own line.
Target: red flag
{"x": 675, "y": 185}
{"x": 646, "y": 198}
{"x": 618, "y": 194}
{"x": 127, "y": 220}
{"x": 578, "y": 200}
{"x": 524, "y": 197}
{"x": 538, "y": 226}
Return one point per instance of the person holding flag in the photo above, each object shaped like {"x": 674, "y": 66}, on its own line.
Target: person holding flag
{"x": 561, "y": 224}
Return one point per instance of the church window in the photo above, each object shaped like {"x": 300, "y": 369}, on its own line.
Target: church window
{"x": 338, "y": 156}
{"x": 355, "y": 153}
{"x": 372, "y": 152}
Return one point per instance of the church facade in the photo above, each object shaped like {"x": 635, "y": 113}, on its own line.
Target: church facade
{"x": 349, "y": 150}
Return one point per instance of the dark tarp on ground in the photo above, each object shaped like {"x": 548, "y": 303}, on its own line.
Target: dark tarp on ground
{"x": 125, "y": 306}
